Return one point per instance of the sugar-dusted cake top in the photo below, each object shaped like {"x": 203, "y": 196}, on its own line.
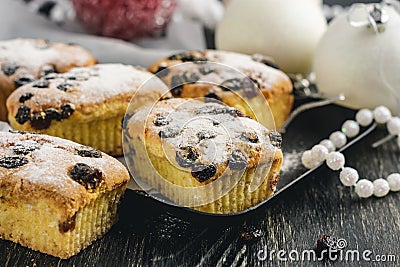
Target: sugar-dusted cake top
{"x": 86, "y": 90}
{"x": 209, "y": 137}
{"x": 44, "y": 167}
{"x": 32, "y": 56}
{"x": 257, "y": 67}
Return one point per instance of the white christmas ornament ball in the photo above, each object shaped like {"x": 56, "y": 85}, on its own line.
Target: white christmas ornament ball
{"x": 338, "y": 139}
{"x": 286, "y": 30}
{"x": 351, "y": 128}
{"x": 382, "y": 114}
{"x": 364, "y": 117}
{"x": 393, "y": 125}
{"x": 359, "y": 63}
{"x": 381, "y": 187}
{"x": 394, "y": 182}
{"x": 349, "y": 176}
{"x": 307, "y": 160}
{"x": 319, "y": 153}
{"x": 335, "y": 160}
{"x": 364, "y": 188}
{"x": 328, "y": 144}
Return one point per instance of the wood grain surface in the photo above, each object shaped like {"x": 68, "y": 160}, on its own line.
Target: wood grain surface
{"x": 151, "y": 234}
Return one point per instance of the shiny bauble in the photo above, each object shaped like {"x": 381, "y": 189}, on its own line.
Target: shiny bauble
{"x": 125, "y": 19}
{"x": 362, "y": 64}
{"x": 287, "y": 30}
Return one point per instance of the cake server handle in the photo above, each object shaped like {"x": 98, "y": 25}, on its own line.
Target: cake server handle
{"x": 349, "y": 144}
{"x": 132, "y": 185}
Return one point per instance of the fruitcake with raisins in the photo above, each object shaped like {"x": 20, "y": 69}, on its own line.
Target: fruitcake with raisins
{"x": 25, "y": 60}
{"x": 85, "y": 105}
{"x": 255, "y": 72}
{"x": 206, "y": 156}
{"x": 56, "y": 196}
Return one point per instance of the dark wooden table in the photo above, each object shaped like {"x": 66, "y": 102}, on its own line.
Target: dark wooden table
{"x": 152, "y": 234}
{"x": 149, "y": 233}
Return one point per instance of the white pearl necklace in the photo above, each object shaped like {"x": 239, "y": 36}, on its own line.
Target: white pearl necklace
{"x": 325, "y": 151}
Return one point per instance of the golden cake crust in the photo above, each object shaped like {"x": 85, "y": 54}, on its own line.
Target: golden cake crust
{"x": 46, "y": 173}
{"x": 23, "y": 60}
{"x": 192, "y": 144}
{"x": 94, "y": 92}
{"x": 56, "y": 196}
{"x": 274, "y": 84}
{"x": 85, "y": 105}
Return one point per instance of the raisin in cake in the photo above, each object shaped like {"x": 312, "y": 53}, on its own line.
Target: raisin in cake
{"x": 206, "y": 156}
{"x": 85, "y": 105}
{"x": 260, "y": 71}
{"x": 56, "y": 196}
{"x": 24, "y": 60}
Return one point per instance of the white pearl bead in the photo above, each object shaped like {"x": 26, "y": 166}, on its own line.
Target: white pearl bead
{"x": 350, "y": 128}
{"x": 328, "y": 144}
{"x": 349, "y": 176}
{"x": 364, "y": 188}
{"x": 335, "y": 160}
{"x": 394, "y": 182}
{"x": 382, "y": 114}
{"x": 364, "y": 117}
{"x": 381, "y": 187}
{"x": 338, "y": 139}
{"x": 307, "y": 160}
{"x": 319, "y": 153}
{"x": 393, "y": 125}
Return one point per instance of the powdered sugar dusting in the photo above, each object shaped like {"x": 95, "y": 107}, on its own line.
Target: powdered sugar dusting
{"x": 247, "y": 65}
{"x": 27, "y": 52}
{"x": 185, "y": 119}
{"x": 49, "y": 161}
{"x": 291, "y": 160}
{"x": 4, "y": 127}
{"x": 31, "y": 54}
{"x": 107, "y": 80}
{"x": 89, "y": 85}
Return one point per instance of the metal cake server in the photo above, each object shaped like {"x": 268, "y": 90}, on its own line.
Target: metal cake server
{"x": 282, "y": 188}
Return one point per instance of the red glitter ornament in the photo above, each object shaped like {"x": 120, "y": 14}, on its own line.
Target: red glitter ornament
{"x": 125, "y": 19}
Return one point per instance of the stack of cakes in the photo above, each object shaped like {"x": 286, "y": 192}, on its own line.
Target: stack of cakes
{"x": 72, "y": 189}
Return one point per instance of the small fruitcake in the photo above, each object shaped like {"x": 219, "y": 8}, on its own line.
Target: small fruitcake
{"x": 205, "y": 156}
{"x": 25, "y": 60}
{"x": 253, "y": 73}
{"x": 85, "y": 105}
{"x": 56, "y": 196}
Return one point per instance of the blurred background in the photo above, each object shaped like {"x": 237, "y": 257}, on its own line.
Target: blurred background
{"x": 154, "y": 28}
{"x": 347, "y": 2}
